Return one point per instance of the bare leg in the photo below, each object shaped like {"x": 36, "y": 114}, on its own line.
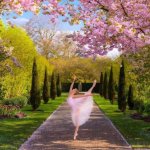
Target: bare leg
{"x": 77, "y": 127}
{"x": 76, "y": 132}
{"x": 94, "y": 84}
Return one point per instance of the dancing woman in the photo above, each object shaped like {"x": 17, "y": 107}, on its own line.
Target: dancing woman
{"x": 81, "y": 106}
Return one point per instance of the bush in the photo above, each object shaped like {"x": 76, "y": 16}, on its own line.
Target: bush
{"x": 9, "y": 110}
{"x": 147, "y": 108}
{"x": 139, "y": 106}
{"x": 20, "y": 101}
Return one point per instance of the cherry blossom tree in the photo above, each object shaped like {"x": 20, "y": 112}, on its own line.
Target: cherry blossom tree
{"x": 108, "y": 24}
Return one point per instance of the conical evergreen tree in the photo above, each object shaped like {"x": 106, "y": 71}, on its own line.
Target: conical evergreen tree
{"x": 101, "y": 84}
{"x": 53, "y": 87}
{"x": 130, "y": 98}
{"x": 46, "y": 87}
{"x": 58, "y": 84}
{"x": 35, "y": 98}
{"x": 105, "y": 89}
{"x": 111, "y": 89}
{"x": 121, "y": 89}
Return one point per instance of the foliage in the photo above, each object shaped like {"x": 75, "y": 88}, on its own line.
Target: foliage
{"x": 53, "y": 87}
{"x": 35, "y": 98}
{"x": 58, "y": 85}
{"x": 2, "y": 92}
{"x": 121, "y": 89}
{"x": 101, "y": 84}
{"x": 20, "y": 101}
{"x": 107, "y": 24}
{"x": 46, "y": 92}
{"x": 130, "y": 98}
{"x": 147, "y": 108}
{"x": 86, "y": 69}
{"x": 105, "y": 89}
{"x": 139, "y": 106}
{"x": 45, "y": 37}
{"x": 23, "y": 54}
{"x": 9, "y": 110}
{"x": 141, "y": 64}
{"x": 111, "y": 90}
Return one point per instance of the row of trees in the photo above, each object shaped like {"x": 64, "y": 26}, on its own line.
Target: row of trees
{"x": 50, "y": 89}
{"x": 108, "y": 88}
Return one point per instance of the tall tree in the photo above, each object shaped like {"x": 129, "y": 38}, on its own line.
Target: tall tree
{"x": 111, "y": 90}
{"x": 45, "y": 35}
{"x": 121, "y": 89}
{"x": 35, "y": 98}
{"x": 53, "y": 87}
{"x": 105, "y": 89}
{"x": 46, "y": 88}
{"x": 101, "y": 84}
{"x": 130, "y": 98}
{"x": 58, "y": 84}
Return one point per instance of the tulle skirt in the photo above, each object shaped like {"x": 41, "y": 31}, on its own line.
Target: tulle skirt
{"x": 81, "y": 109}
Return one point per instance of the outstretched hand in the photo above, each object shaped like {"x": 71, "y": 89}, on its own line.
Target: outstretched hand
{"x": 94, "y": 83}
{"x": 74, "y": 77}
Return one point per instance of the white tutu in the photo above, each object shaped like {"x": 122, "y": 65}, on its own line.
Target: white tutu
{"x": 81, "y": 109}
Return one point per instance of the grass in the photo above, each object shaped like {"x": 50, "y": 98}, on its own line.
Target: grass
{"x": 136, "y": 132}
{"x": 14, "y": 132}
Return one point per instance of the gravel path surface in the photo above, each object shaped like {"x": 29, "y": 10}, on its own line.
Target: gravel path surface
{"x": 56, "y": 133}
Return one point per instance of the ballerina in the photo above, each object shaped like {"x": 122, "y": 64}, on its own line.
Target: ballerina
{"x": 81, "y": 106}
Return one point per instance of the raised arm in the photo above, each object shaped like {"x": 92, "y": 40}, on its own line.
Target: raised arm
{"x": 72, "y": 84}
{"x": 90, "y": 90}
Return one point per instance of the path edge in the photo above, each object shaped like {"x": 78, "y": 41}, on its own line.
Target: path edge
{"x": 34, "y": 132}
{"x": 117, "y": 130}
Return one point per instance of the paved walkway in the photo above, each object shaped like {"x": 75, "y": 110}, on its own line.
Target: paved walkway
{"x": 57, "y": 133}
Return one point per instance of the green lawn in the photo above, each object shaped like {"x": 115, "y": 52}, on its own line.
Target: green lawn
{"x": 13, "y": 132}
{"x": 135, "y": 131}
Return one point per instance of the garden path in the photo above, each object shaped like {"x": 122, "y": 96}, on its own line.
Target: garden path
{"x": 56, "y": 133}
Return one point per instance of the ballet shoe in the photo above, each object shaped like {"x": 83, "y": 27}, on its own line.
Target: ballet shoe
{"x": 75, "y": 136}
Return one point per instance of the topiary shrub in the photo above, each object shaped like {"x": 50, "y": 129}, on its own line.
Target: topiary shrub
{"x": 130, "y": 98}
{"x": 121, "y": 89}
{"x": 58, "y": 85}
{"x": 53, "y": 87}
{"x": 111, "y": 89}
{"x": 101, "y": 84}
{"x": 105, "y": 87}
{"x": 35, "y": 97}
{"x": 46, "y": 93}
